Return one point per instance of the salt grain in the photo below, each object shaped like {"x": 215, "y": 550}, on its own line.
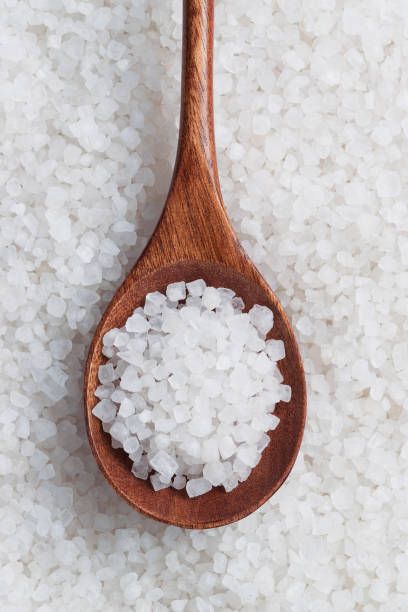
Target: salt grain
{"x": 176, "y": 291}
{"x": 137, "y": 324}
{"x": 56, "y": 306}
{"x": 197, "y": 486}
{"x": 179, "y": 381}
{"x": 211, "y": 298}
{"x": 196, "y": 287}
{"x": 262, "y": 318}
{"x": 105, "y": 411}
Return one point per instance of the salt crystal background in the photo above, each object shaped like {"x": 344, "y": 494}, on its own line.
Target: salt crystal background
{"x": 312, "y": 127}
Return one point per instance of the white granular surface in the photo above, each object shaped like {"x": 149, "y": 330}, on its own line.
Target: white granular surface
{"x": 312, "y": 131}
{"x": 189, "y": 387}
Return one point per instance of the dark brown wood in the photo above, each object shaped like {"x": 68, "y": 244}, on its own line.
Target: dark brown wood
{"x": 194, "y": 239}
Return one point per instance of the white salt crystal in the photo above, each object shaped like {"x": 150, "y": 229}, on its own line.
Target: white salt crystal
{"x": 285, "y": 393}
{"x": 56, "y": 306}
{"x": 163, "y": 463}
{"x": 130, "y": 137}
{"x": 19, "y": 399}
{"x": 195, "y": 362}
{"x": 176, "y": 291}
{"x": 212, "y": 388}
{"x": 275, "y": 349}
{"x": 219, "y": 562}
{"x": 131, "y": 445}
{"x": 22, "y": 427}
{"x": 239, "y": 328}
{"x": 197, "y": 486}
{"x": 115, "y": 50}
{"x": 154, "y": 303}
{"x": 60, "y": 348}
{"x": 106, "y": 373}
{"x": 38, "y": 460}
{"x": 231, "y": 483}
{"x": 137, "y": 427}
{"x": 209, "y": 450}
{"x": 117, "y": 395}
{"x": 60, "y": 227}
{"x": 126, "y": 409}
{"x": 105, "y": 411}
{"x": 156, "y": 323}
{"x": 191, "y": 446}
{"x": 214, "y": 472}
{"x": 262, "y": 364}
{"x": 211, "y": 298}
{"x": 130, "y": 380}
{"x": 158, "y": 484}
{"x": 47, "y": 472}
{"x": 101, "y": 16}
{"x": 267, "y": 422}
{"x": 379, "y": 591}
{"x": 304, "y": 326}
{"x": 119, "y": 432}
{"x": 200, "y": 426}
{"x": 132, "y": 591}
{"x": 137, "y": 324}
{"x": 262, "y": 318}
{"x": 400, "y": 355}
{"x": 227, "y": 447}
{"x": 110, "y": 336}
{"x": 241, "y": 470}
{"x": 104, "y": 391}
{"x": 196, "y": 288}
{"x": 264, "y": 440}
{"x": 44, "y": 429}
{"x": 27, "y": 448}
{"x": 261, "y": 124}
{"x": 72, "y": 154}
{"x": 165, "y": 479}
{"x": 140, "y": 469}
{"x": 179, "y": 482}
{"x": 137, "y": 454}
{"x": 227, "y": 295}
{"x": 249, "y": 456}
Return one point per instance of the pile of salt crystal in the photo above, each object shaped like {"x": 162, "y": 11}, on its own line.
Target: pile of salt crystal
{"x": 190, "y": 386}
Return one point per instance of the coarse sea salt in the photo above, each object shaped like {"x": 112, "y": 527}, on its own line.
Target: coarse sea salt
{"x": 186, "y": 392}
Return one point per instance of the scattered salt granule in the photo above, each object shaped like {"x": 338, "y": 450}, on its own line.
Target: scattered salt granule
{"x": 307, "y": 203}
{"x": 186, "y": 391}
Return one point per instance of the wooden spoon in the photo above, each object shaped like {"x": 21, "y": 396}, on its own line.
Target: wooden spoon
{"x": 194, "y": 239}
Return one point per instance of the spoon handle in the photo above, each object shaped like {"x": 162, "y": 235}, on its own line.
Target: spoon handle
{"x": 196, "y": 145}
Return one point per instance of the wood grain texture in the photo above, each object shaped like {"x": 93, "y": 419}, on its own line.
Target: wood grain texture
{"x": 194, "y": 239}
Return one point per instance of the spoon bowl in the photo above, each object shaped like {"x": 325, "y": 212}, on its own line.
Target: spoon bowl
{"x": 194, "y": 239}
{"x": 216, "y": 508}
